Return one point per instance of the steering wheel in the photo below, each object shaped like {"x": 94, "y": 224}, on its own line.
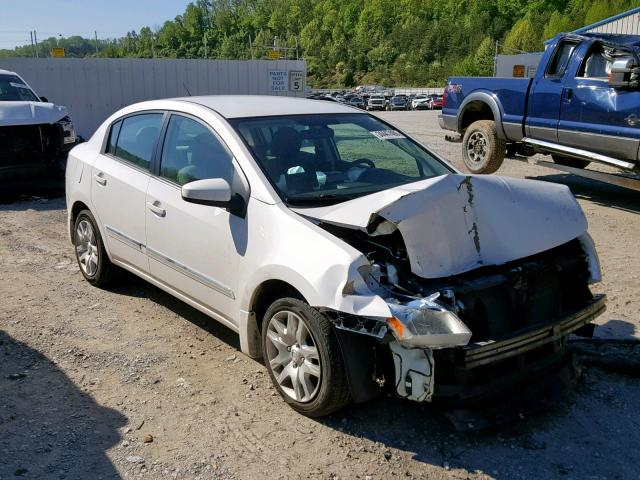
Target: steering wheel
{"x": 363, "y": 161}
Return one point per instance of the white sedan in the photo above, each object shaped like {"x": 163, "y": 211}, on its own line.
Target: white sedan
{"x": 345, "y": 254}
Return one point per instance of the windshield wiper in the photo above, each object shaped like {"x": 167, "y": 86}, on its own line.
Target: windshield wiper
{"x": 324, "y": 198}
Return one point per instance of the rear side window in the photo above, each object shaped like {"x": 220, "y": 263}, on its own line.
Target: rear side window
{"x": 137, "y": 138}
{"x": 113, "y": 138}
{"x": 561, "y": 58}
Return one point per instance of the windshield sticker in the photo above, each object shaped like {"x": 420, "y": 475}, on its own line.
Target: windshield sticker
{"x": 387, "y": 134}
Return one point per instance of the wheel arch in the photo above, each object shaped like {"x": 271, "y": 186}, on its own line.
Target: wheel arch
{"x": 75, "y": 209}
{"x": 481, "y": 106}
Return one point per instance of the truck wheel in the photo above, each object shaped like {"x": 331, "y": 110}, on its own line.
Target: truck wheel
{"x": 482, "y": 150}
{"x": 570, "y": 162}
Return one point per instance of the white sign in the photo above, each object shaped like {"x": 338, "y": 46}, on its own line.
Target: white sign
{"x": 279, "y": 80}
{"x": 296, "y": 81}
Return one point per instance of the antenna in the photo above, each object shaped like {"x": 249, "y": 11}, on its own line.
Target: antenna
{"x": 185, "y": 87}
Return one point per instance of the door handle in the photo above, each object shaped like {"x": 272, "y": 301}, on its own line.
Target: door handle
{"x": 161, "y": 212}
{"x": 567, "y": 94}
{"x": 100, "y": 179}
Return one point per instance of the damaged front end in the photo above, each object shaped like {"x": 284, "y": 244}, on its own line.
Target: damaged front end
{"x": 494, "y": 323}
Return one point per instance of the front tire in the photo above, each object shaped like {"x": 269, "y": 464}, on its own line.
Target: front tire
{"x": 303, "y": 357}
{"x": 482, "y": 150}
{"x": 91, "y": 255}
{"x": 570, "y": 162}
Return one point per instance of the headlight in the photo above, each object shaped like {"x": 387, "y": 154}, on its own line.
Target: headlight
{"x": 68, "y": 132}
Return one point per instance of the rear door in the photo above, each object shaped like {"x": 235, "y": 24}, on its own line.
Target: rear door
{"x": 595, "y": 116}
{"x": 546, "y": 94}
{"x": 119, "y": 186}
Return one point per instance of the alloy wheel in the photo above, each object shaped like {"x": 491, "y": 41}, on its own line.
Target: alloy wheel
{"x": 293, "y": 356}
{"x": 87, "y": 248}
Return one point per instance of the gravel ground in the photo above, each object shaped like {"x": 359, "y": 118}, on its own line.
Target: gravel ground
{"x": 131, "y": 383}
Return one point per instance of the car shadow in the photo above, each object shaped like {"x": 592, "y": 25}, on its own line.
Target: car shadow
{"x": 27, "y": 202}
{"x": 49, "y": 427}
{"x": 131, "y": 285}
{"x": 597, "y": 192}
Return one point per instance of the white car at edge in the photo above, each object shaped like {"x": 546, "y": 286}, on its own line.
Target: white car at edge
{"x": 344, "y": 253}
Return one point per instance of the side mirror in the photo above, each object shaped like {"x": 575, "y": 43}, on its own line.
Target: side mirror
{"x": 214, "y": 192}
{"x": 624, "y": 74}
{"x": 44, "y": 99}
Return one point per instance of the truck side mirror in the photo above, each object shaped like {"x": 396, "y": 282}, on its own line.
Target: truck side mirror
{"x": 624, "y": 74}
{"x": 44, "y": 99}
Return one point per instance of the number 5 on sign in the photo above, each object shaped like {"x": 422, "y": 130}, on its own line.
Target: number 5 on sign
{"x": 296, "y": 81}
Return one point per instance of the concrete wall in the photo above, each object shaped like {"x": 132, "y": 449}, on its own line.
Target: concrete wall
{"x": 95, "y": 88}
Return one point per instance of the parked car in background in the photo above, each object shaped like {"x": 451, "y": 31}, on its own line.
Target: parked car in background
{"x": 35, "y": 137}
{"x": 398, "y": 102}
{"x": 437, "y": 102}
{"x": 357, "y": 101}
{"x": 582, "y": 106}
{"x": 349, "y": 257}
{"x": 420, "y": 102}
{"x": 376, "y": 102}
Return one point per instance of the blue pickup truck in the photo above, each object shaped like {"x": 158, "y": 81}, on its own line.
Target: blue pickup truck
{"x": 582, "y": 106}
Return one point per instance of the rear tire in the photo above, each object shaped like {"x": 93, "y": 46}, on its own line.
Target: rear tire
{"x": 91, "y": 255}
{"x": 570, "y": 162}
{"x": 303, "y": 358}
{"x": 482, "y": 150}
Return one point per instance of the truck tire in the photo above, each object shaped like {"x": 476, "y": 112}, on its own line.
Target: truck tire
{"x": 482, "y": 150}
{"x": 570, "y": 162}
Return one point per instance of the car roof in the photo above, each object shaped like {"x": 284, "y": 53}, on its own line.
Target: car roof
{"x": 242, "y": 106}
{"x": 7, "y": 72}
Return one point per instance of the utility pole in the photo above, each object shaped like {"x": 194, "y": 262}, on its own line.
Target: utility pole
{"x": 33, "y": 49}
{"x": 205, "y": 44}
{"x": 153, "y": 51}
{"x": 250, "y": 48}
{"x": 95, "y": 34}
{"x": 35, "y": 40}
{"x": 495, "y": 61}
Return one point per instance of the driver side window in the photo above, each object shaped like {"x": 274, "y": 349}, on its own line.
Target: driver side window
{"x": 193, "y": 152}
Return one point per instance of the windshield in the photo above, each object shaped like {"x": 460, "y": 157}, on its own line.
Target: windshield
{"x": 13, "y": 89}
{"x": 324, "y": 159}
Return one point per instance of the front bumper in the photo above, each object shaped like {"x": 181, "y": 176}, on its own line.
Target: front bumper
{"x": 488, "y": 369}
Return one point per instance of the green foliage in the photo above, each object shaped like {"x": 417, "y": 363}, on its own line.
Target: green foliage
{"x": 349, "y": 42}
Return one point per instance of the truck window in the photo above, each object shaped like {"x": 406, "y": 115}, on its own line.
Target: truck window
{"x": 596, "y": 64}
{"x": 561, "y": 57}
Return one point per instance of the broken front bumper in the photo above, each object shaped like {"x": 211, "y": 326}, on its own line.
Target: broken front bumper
{"x": 482, "y": 370}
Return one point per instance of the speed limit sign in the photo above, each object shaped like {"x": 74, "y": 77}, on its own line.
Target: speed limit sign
{"x": 296, "y": 81}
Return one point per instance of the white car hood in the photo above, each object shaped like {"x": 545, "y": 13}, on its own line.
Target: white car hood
{"x": 30, "y": 113}
{"x": 456, "y": 223}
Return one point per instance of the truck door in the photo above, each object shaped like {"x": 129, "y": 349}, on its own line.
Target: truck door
{"x": 595, "y": 116}
{"x": 546, "y": 94}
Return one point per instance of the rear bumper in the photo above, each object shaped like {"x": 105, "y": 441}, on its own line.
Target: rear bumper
{"x": 486, "y": 370}
{"x": 448, "y": 122}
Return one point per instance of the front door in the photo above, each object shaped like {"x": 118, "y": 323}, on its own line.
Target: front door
{"x": 595, "y": 116}
{"x": 119, "y": 186}
{"x": 194, "y": 249}
{"x": 546, "y": 95}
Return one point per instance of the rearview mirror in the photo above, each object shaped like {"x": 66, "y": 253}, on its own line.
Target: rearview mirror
{"x": 215, "y": 192}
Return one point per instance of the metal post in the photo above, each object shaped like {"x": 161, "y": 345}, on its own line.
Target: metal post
{"x": 35, "y": 40}
{"x": 495, "y": 61}
{"x": 95, "y": 34}
{"x": 153, "y": 51}
{"x": 33, "y": 50}
{"x": 205, "y": 44}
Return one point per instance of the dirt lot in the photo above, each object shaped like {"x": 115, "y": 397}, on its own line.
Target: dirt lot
{"x": 86, "y": 375}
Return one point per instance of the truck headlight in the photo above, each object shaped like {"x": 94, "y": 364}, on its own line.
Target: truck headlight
{"x": 68, "y": 131}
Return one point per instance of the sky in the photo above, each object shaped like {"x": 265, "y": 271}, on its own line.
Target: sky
{"x": 110, "y": 18}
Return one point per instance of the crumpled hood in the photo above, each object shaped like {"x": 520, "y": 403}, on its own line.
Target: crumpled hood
{"x": 456, "y": 223}
{"x": 30, "y": 113}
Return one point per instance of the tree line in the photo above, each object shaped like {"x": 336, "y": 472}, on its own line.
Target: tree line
{"x": 350, "y": 42}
